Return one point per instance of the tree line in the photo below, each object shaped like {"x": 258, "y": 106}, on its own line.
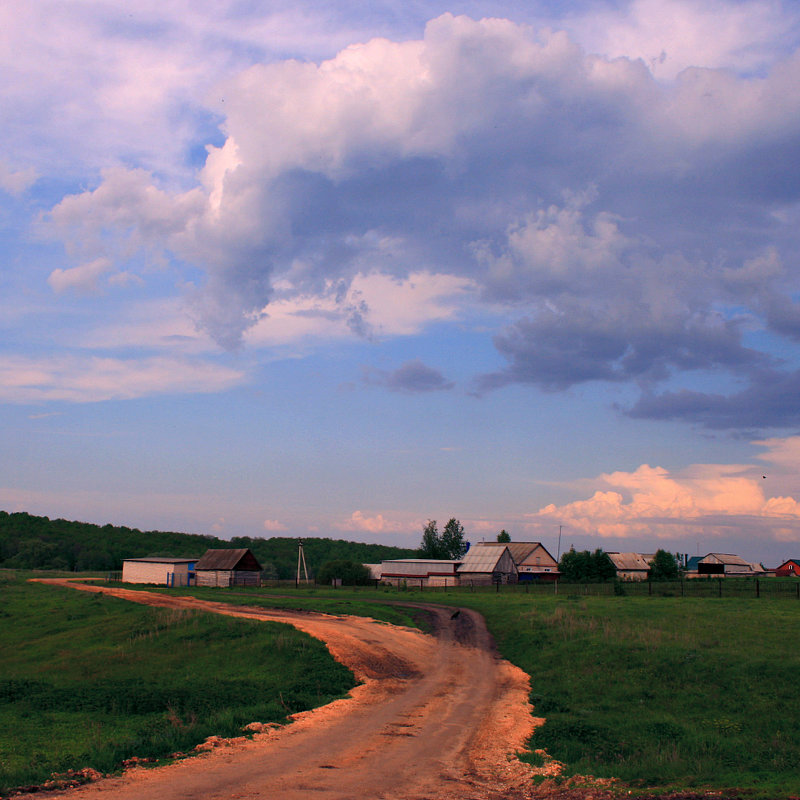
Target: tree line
{"x": 32, "y": 542}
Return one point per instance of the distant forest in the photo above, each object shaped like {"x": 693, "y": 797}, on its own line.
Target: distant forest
{"x": 30, "y": 542}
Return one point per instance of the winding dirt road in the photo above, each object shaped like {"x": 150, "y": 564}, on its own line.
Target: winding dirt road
{"x": 433, "y": 717}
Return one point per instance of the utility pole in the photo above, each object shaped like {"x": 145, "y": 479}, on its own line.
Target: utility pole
{"x": 558, "y": 554}
{"x": 301, "y": 558}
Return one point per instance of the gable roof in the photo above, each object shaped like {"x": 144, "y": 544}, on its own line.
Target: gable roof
{"x": 789, "y": 561}
{"x": 519, "y": 550}
{"x": 241, "y": 559}
{"x": 629, "y": 561}
{"x": 485, "y": 559}
{"x": 724, "y": 558}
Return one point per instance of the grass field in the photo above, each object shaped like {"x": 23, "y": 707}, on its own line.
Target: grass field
{"x": 663, "y": 693}
{"x": 87, "y": 680}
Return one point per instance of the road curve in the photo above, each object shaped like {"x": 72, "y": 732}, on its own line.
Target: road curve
{"x": 434, "y": 716}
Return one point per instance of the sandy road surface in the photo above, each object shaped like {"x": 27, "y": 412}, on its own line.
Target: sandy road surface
{"x": 434, "y": 717}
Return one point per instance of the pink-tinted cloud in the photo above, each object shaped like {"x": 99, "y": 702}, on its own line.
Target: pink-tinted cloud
{"x": 655, "y": 501}
{"x": 358, "y": 521}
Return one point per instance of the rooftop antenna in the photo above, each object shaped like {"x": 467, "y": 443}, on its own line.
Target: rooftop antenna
{"x": 301, "y": 558}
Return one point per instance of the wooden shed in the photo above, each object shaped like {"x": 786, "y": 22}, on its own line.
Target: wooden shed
{"x": 532, "y": 560}
{"x": 228, "y": 568}
{"x": 160, "y": 571}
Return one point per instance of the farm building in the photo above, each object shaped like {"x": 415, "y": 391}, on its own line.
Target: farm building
{"x": 721, "y": 564}
{"x": 160, "y": 571}
{"x": 789, "y": 568}
{"x": 419, "y": 571}
{"x": 228, "y": 568}
{"x": 631, "y": 566}
{"x": 485, "y": 565}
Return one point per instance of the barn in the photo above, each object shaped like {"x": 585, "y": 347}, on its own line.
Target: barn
{"x": 487, "y": 565}
{"x": 160, "y": 571}
{"x": 631, "y": 566}
{"x": 722, "y": 564}
{"x": 235, "y": 567}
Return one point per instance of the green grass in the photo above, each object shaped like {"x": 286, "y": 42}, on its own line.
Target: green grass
{"x": 665, "y": 694}
{"x": 88, "y": 680}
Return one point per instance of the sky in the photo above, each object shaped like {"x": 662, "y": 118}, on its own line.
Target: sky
{"x": 335, "y": 269}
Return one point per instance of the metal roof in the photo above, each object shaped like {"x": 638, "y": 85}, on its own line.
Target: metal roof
{"x": 228, "y": 559}
{"x": 417, "y": 567}
{"x": 163, "y": 560}
{"x": 724, "y": 558}
{"x": 482, "y": 559}
{"x": 629, "y": 561}
{"x": 519, "y": 550}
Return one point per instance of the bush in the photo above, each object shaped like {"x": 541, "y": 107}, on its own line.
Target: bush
{"x": 351, "y": 572}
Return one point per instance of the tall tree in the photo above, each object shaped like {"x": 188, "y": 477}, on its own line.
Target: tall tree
{"x": 431, "y": 546}
{"x": 453, "y": 543}
{"x": 664, "y": 566}
{"x": 504, "y": 537}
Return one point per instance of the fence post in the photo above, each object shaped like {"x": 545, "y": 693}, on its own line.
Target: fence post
{"x": 720, "y": 586}
{"x": 649, "y": 588}
{"x": 758, "y": 588}
{"x": 682, "y": 589}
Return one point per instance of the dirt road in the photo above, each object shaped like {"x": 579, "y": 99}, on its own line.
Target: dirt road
{"x": 434, "y": 717}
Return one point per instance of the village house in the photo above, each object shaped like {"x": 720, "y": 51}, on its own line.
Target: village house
{"x": 160, "y": 571}
{"x": 234, "y": 567}
{"x": 531, "y": 559}
{"x": 790, "y": 568}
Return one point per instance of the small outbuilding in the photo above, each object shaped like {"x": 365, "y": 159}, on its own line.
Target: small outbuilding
{"x": 164, "y": 571}
{"x": 234, "y": 567}
{"x": 482, "y": 566}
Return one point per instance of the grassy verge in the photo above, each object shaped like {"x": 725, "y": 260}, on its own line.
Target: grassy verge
{"x": 666, "y": 694}
{"x": 88, "y": 680}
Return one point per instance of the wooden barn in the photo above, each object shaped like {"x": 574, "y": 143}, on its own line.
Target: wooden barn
{"x": 483, "y": 566}
{"x": 631, "y": 566}
{"x": 532, "y": 560}
{"x": 160, "y": 571}
{"x": 228, "y": 568}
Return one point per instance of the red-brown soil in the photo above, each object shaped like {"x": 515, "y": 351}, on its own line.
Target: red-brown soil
{"x": 435, "y": 716}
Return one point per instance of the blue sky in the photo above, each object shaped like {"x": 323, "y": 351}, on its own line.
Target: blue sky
{"x": 315, "y": 269}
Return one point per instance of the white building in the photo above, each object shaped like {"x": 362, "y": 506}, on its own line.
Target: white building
{"x": 419, "y": 572}
{"x": 160, "y": 571}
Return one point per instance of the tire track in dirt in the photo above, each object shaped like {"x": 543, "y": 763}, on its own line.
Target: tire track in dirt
{"x": 434, "y": 716}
